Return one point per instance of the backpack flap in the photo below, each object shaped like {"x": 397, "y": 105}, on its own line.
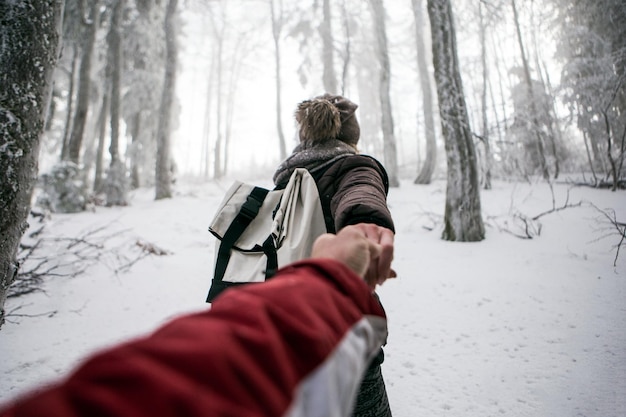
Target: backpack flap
{"x": 302, "y": 218}
{"x": 236, "y": 197}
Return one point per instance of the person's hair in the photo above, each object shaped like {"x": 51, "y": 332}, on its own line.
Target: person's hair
{"x": 319, "y": 120}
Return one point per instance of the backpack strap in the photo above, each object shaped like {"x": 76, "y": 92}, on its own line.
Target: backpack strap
{"x": 269, "y": 248}
{"x": 247, "y": 213}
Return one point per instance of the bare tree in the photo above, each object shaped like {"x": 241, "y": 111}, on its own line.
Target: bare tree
{"x": 70, "y": 103}
{"x": 25, "y": 83}
{"x": 463, "y": 218}
{"x": 428, "y": 167}
{"x": 277, "y": 26}
{"x": 115, "y": 184}
{"x": 531, "y": 96}
{"x": 483, "y": 99}
{"x": 219, "y": 33}
{"x": 163, "y": 172}
{"x": 84, "y": 84}
{"x": 102, "y": 126}
{"x": 328, "y": 77}
{"x": 391, "y": 158}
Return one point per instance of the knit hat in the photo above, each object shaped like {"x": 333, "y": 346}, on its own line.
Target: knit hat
{"x": 328, "y": 117}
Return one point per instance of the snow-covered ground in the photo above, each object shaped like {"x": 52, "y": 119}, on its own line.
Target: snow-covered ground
{"x": 507, "y": 326}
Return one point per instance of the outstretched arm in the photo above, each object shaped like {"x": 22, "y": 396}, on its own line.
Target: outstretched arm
{"x": 295, "y": 344}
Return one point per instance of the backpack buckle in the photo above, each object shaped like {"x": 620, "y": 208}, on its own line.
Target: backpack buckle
{"x": 251, "y": 207}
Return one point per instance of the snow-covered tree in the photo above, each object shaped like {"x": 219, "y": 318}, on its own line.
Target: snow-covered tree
{"x": 463, "y": 218}
{"x": 164, "y": 163}
{"x": 29, "y": 39}
{"x": 91, "y": 24}
{"x": 593, "y": 49}
{"x": 116, "y": 183}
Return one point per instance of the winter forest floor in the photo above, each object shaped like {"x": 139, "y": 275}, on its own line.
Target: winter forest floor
{"x": 507, "y": 326}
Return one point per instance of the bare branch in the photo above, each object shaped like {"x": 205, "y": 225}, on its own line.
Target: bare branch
{"x": 618, "y": 228}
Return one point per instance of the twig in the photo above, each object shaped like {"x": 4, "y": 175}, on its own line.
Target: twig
{"x": 620, "y": 227}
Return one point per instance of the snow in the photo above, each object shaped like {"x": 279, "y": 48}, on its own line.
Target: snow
{"x": 507, "y": 326}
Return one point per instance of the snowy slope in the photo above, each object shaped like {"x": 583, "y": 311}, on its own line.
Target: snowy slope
{"x": 506, "y": 326}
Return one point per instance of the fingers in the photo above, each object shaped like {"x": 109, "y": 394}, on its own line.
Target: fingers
{"x": 367, "y": 249}
{"x": 349, "y": 246}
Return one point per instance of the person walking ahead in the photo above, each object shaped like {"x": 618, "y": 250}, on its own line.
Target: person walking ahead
{"x": 353, "y": 190}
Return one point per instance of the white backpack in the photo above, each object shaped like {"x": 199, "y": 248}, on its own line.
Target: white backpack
{"x": 261, "y": 230}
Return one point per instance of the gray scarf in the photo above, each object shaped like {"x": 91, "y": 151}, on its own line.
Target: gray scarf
{"x": 312, "y": 157}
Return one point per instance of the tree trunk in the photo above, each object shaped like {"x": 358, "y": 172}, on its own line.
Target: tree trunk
{"x": 219, "y": 34}
{"x": 428, "y": 168}
{"x": 463, "y": 220}
{"x": 277, "y": 25}
{"x": 235, "y": 72}
{"x": 116, "y": 182}
{"x": 115, "y": 48}
{"x": 347, "y": 54}
{"x": 163, "y": 165}
{"x": 329, "y": 78}
{"x": 206, "y": 130}
{"x": 25, "y": 83}
{"x": 70, "y": 105}
{"x": 102, "y": 128}
{"x": 135, "y": 155}
{"x": 84, "y": 86}
{"x": 483, "y": 98}
{"x": 531, "y": 98}
{"x": 391, "y": 157}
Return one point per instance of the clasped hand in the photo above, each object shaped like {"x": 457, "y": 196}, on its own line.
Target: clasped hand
{"x": 365, "y": 248}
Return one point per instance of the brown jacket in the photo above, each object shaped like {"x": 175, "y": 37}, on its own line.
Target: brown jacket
{"x": 354, "y": 190}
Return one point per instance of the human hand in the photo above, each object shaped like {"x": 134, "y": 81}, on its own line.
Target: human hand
{"x": 359, "y": 247}
{"x": 379, "y": 269}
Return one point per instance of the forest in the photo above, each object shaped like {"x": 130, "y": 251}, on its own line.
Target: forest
{"x": 100, "y": 97}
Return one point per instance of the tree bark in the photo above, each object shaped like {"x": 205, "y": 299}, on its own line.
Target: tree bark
{"x": 391, "y": 157}
{"x": 425, "y": 174}
{"x": 163, "y": 172}
{"x": 84, "y": 86}
{"x": 30, "y": 34}
{"x": 462, "y": 220}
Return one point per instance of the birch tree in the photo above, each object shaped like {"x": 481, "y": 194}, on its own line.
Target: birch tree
{"x": 463, "y": 219}
{"x": 29, "y": 39}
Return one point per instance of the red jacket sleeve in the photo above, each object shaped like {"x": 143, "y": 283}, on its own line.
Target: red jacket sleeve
{"x": 297, "y": 343}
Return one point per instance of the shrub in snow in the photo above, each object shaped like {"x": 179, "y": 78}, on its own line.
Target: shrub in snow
{"x": 64, "y": 189}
